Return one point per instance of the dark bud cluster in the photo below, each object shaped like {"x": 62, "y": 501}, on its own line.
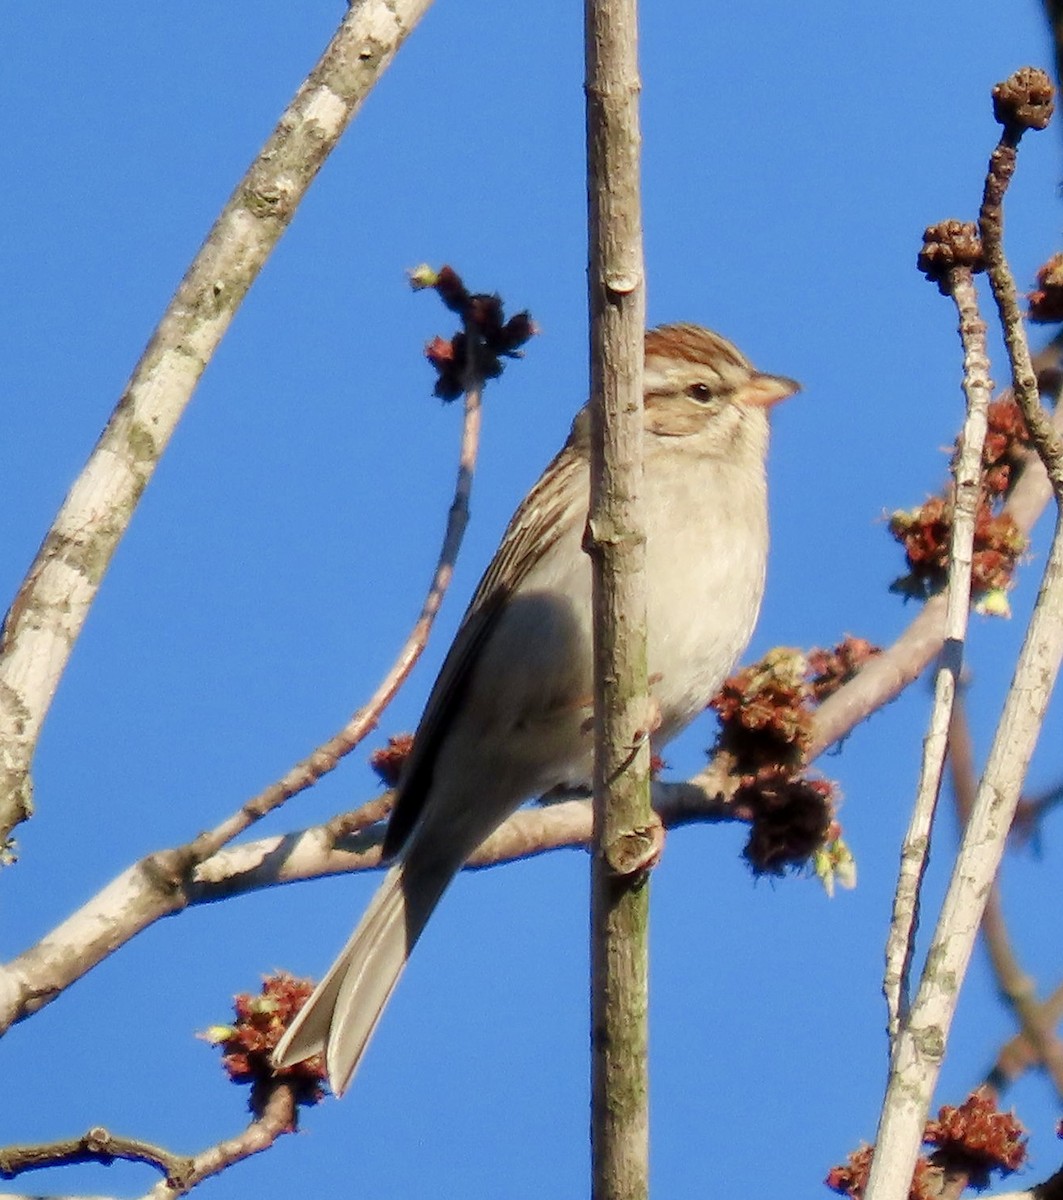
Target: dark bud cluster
{"x": 828, "y": 670}
{"x": 1024, "y": 100}
{"x": 766, "y": 714}
{"x": 790, "y": 818}
{"x": 1007, "y": 440}
{"x": 949, "y": 246}
{"x": 259, "y": 1024}
{"x": 851, "y": 1178}
{"x": 484, "y": 340}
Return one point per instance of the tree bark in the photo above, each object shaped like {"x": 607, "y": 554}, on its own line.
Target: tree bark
{"x": 623, "y": 819}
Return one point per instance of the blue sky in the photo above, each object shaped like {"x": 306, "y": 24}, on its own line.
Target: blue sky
{"x": 793, "y": 155}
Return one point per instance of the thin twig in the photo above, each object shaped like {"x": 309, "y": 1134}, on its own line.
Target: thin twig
{"x": 327, "y": 756}
{"x": 181, "y": 1173}
{"x": 967, "y": 469}
{"x": 276, "y": 1117}
{"x": 1045, "y": 437}
{"x": 49, "y": 611}
{"x": 98, "y": 1145}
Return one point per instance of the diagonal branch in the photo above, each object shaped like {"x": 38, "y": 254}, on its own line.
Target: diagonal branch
{"x": 47, "y": 615}
{"x": 327, "y": 756}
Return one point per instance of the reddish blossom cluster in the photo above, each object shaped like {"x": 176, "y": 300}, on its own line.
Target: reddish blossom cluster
{"x": 260, "y": 1022}
{"x": 766, "y": 713}
{"x": 828, "y": 670}
{"x": 482, "y": 320}
{"x": 389, "y": 760}
{"x": 971, "y": 1140}
{"x": 851, "y": 1179}
{"x": 1006, "y": 440}
{"x": 1046, "y": 301}
{"x": 925, "y": 532}
{"x": 977, "y": 1138}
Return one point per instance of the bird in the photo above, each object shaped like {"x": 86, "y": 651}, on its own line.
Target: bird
{"x": 509, "y": 716}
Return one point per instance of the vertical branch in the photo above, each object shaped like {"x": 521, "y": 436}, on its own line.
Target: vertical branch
{"x": 951, "y": 253}
{"x": 616, "y": 543}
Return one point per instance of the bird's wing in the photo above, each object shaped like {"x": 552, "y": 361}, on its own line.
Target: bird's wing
{"x": 536, "y": 525}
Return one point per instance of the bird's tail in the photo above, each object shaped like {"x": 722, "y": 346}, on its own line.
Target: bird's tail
{"x": 341, "y": 1014}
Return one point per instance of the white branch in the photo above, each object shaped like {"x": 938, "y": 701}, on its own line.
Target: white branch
{"x": 967, "y": 470}
{"x": 47, "y": 615}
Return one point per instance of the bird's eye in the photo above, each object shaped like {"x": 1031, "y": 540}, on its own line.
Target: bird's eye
{"x": 700, "y": 392}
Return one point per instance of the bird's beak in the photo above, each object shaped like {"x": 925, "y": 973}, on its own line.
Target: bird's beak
{"x": 765, "y": 391}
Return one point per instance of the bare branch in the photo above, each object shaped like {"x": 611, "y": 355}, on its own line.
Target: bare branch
{"x": 327, "y": 756}
{"x": 98, "y": 1145}
{"x": 276, "y": 1115}
{"x": 47, "y": 615}
{"x": 958, "y": 281}
{"x": 616, "y": 542}
{"x": 141, "y": 895}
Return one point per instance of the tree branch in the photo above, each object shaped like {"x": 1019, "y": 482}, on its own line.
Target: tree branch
{"x": 327, "y": 756}
{"x": 616, "y": 541}
{"x": 967, "y": 469}
{"x": 275, "y": 1116}
{"x": 47, "y": 615}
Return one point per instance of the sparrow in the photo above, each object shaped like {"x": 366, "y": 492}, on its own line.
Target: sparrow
{"x": 508, "y": 718}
